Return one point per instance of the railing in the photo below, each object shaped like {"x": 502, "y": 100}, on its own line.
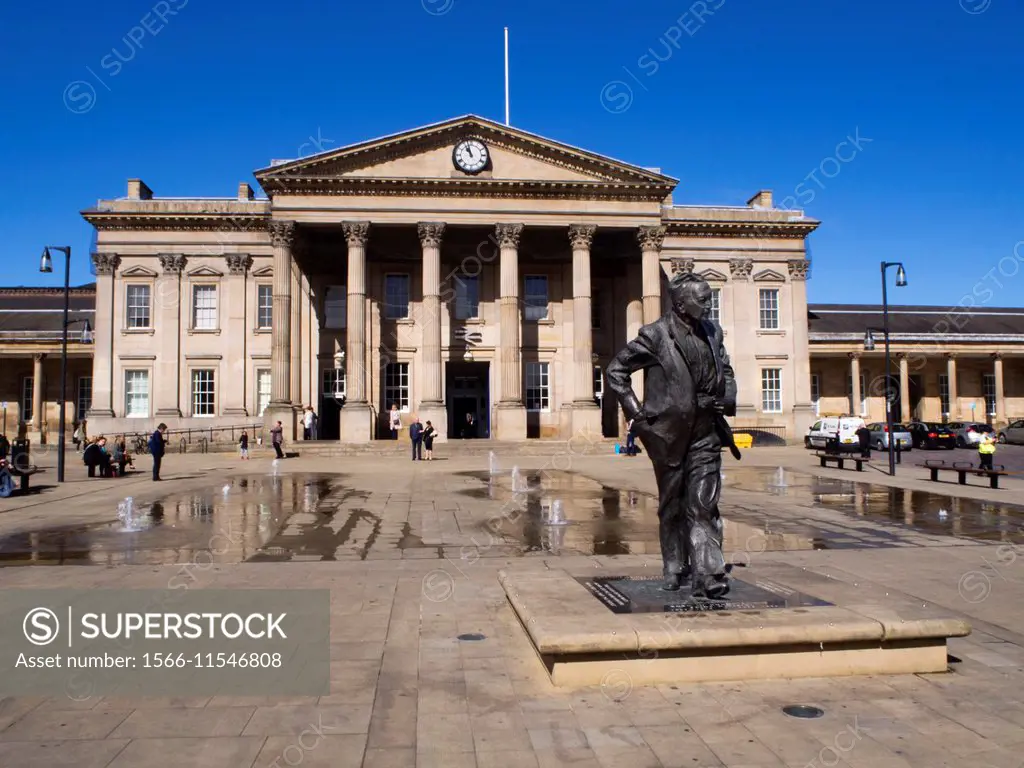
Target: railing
{"x": 763, "y": 436}
{"x": 202, "y": 437}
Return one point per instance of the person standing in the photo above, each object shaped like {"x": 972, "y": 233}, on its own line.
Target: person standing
{"x": 630, "y": 438}
{"x": 428, "y": 440}
{"x": 307, "y": 423}
{"x": 243, "y": 445}
{"x": 416, "y": 436}
{"x": 986, "y": 451}
{"x": 394, "y": 421}
{"x": 76, "y": 438}
{"x": 864, "y": 438}
{"x": 156, "y": 449}
{"x": 314, "y": 428}
{"x": 277, "y": 438}
{"x": 469, "y": 432}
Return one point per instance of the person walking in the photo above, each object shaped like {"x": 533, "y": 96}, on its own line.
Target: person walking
{"x": 416, "y": 436}
{"x": 428, "y": 440}
{"x": 76, "y": 438}
{"x": 986, "y": 451}
{"x": 314, "y": 427}
{"x": 394, "y": 421}
{"x": 157, "y": 444}
{"x": 277, "y": 438}
{"x": 243, "y": 445}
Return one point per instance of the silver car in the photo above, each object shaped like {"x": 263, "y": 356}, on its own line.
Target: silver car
{"x": 880, "y": 437}
{"x": 1014, "y": 433}
{"x": 968, "y": 433}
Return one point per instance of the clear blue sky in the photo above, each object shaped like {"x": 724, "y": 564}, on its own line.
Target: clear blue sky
{"x": 757, "y": 95}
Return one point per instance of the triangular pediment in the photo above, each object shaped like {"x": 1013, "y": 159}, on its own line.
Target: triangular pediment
{"x": 267, "y": 271}
{"x": 138, "y": 271}
{"x": 769, "y": 276}
{"x": 713, "y": 276}
{"x": 424, "y": 156}
{"x": 205, "y": 271}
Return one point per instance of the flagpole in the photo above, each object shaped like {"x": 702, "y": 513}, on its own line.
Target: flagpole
{"x": 507, "y": 117}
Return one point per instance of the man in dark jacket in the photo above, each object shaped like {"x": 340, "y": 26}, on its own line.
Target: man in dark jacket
{"x": 416, "y": 435}
{"x": 156, "y": 448}
{"x": 689, "y": 388}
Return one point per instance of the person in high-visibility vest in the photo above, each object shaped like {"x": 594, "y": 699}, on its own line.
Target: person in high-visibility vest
{"x": 986, "y": 450}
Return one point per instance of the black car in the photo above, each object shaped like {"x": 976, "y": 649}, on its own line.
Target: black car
{"x": 931, "y": 435}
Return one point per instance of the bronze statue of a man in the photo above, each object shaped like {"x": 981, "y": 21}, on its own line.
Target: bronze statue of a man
{"x": 689, "y": 388}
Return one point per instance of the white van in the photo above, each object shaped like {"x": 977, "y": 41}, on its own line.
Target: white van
{"x": 825, "y": 429}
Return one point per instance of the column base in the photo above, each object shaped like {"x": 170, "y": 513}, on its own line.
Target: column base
{"x": 437, "y": 415}
{"x": 585, "y": 420}
{"x": 510, "y": 422}
{"x": 356, "y": 423}
{"x": 288, "y": 416}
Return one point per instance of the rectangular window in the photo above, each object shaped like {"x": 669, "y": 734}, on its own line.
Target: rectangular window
{"x": 84, "y": 402}
{"x": 334, "y": 383}
{"x": 137, "y": 306}
{"x": 538, "y": 397}
{"x": 336, "y": 307}
{"x": 816, "y": 394}
{"x": 204, "y": 307}
{"x": 396, "y": 296}
{"x": 716, "y": 305}
{"x": 467, "y": 297}
{"x": 598, "y": 383}
{"x": 863, "y": 410}
{"x": 136, "y": 394}
{"x": 203, "y": 392}
{"x": 535, "y": 297}
{"x": 396, "y": 386}
{"x": 988, "y": 384}
{"x": 769, "y": 304}
{"x": 26, "y": 398}
{"x": 771, "y": 390}
{"x": 595, "y": 309}
{"x": 264, "y": 306}
{"x": 944, "y": 394}
{"x": 262, "y": 390}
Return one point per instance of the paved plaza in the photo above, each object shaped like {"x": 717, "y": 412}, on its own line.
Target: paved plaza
{"x": 411, "y": 554}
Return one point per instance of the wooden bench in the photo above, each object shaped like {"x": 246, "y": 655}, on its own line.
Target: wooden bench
{"x": 963, "y": 470}
{"x": 841, "y": 459}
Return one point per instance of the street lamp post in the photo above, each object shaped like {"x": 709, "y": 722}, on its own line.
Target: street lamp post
{"x": 901, "y": 281}
{"x": 46, "y": 265}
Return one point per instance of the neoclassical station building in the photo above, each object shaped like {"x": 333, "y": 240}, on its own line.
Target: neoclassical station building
{"x": 462, "y": 268}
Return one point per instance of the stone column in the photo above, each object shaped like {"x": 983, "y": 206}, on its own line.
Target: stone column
{"x": 803, "y": 411}
{"x": 106, "y": 265}
{"x": 431, "y": 406}
{"x": 511, "y": 413}
{"x": 857, "y": 395}
{"x": 904, "y": 389}
{"x": 281, "y": 408}
{"x": 954, "y": 395}
{"x": 586, "y": 414}
{"x": 166, "y": 387}
{"x": 295, "y": 382}
{"x": 651, "y": 239}
{"x": 997, "y": 370}
{"x": 357, "y": 414}
{"x": 236, "y": 372}
{"x": 37, "y": 397}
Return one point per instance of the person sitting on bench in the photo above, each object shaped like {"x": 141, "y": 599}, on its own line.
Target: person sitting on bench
{"x": 96, "y": 456}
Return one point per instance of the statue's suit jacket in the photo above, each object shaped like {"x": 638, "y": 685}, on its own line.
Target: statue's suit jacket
{"x": 666, "y": 419}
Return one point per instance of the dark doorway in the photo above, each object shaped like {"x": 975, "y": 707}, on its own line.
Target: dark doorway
{"x": 331, "y": 398}
{"x": 468, "y": 389}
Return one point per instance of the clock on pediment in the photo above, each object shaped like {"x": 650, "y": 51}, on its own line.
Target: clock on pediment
{"x": 470, "y": 156}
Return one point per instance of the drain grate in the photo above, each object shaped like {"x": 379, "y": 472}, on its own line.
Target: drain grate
{"x": 804, "y": 711}
{"x": 472, "y": 637}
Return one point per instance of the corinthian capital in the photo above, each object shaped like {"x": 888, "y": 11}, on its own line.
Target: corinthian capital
{"x": 356, "y": 232}
{"x": 238, "y": 263}
{"x": 650, "y": 238}
{"x": 581, "y": 235}
{"x": 430, "y": 233}
{"x": 798, "y": 268}
{"x": 106, "y": 263}
{"x": 508, "y": 235}
{"x": 741, "y": 268}
{"x": 282, "y": 233}
{"x": 172, "y": 263}
{"x": 682, "y": 266}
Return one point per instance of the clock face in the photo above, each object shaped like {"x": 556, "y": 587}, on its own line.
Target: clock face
{"x": 470, "y": 156}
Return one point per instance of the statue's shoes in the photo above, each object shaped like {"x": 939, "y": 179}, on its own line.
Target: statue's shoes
{"x": 672, "y": 582}
{"x": 717, "y": 586}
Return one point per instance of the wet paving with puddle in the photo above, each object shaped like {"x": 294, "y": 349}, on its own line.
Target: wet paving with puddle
{"x": 322, "y": 517}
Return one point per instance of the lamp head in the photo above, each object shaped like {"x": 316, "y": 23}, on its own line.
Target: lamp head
{"x": 869, "y": 341}
{"x": 901, "y": 277}
{"x": 46, "y": 263}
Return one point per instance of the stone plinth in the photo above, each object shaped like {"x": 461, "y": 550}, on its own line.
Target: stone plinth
{"x": 813, "y": 627}
{"x": 356, "y": 423}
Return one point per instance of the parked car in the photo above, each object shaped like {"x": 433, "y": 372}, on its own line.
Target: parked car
{"x": 968, "y": 433}
{"x": 880, "y": 436}
{"x": 931, "y": 435}
{"x": 825, "y": 429}
{"x": 1014, "y": 433}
